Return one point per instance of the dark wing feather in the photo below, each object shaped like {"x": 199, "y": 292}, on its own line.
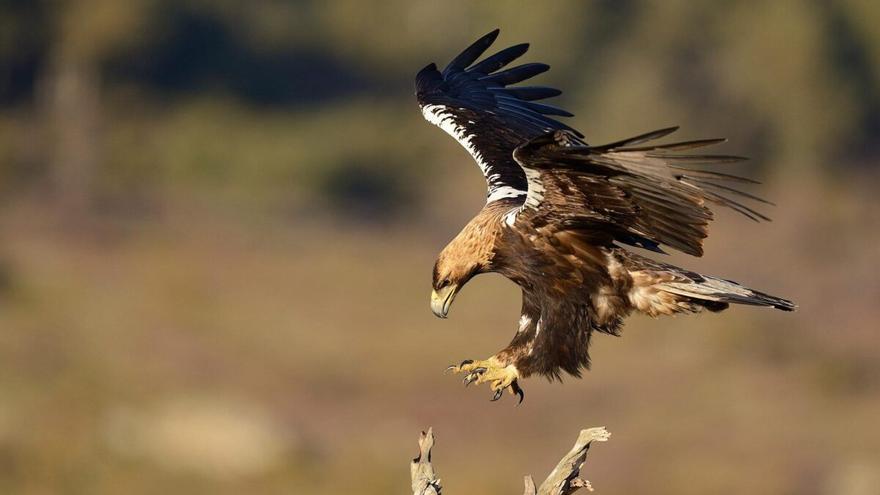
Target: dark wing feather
{"x": 517, "y": 74}
{"x": 646, "y": 195}
{"x": 470, "y": 54}
{"x": 528, "y": 93}
{"x": 500, "y": 59}
{"x": 476, "y": 104}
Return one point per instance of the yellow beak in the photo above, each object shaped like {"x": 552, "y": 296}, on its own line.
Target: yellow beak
{"x": 441, "y": 300}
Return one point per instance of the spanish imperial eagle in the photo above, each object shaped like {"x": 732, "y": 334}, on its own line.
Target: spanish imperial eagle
{"x": 559, "y": 212}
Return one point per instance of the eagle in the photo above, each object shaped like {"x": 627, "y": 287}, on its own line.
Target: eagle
{"x": 561, "y": 216}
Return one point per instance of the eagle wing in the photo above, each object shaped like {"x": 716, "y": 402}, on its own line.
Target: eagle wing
{"x": 476, "y": 104}
{"x": 627, "y": 191}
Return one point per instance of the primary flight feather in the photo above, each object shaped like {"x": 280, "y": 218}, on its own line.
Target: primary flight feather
{"x": 559, "y": 211}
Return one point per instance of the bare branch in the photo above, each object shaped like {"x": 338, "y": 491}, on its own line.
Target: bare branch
{"x": 530, "y": 486}
{"x": 424, "y": 480}
{"x": 563, "y": 480}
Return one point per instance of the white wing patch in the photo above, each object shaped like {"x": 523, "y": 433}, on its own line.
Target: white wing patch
{"x": 533, "y": 198}
{"x": 442, "y": 117}
{"x": 536, "y": 189}
{"x": 501, "y": 192}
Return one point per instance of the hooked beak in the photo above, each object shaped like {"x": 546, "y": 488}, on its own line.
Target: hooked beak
{"x": 441, "y": 300}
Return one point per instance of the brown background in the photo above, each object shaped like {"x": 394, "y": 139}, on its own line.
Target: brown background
{"x": 218, "y": 222}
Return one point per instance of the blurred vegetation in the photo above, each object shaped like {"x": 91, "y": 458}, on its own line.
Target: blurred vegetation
{"x": 219, "y": 217}
{"x": 269, "y": 103}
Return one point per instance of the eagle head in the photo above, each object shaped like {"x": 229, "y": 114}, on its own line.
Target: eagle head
{"x": 452, "y": 271}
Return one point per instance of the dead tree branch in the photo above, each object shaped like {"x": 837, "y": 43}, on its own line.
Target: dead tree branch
{"x": 424, "y": 480}
{"x": 563, "y": 480}
{"x": 565, "y": 477}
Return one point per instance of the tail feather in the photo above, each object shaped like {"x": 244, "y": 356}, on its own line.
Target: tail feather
{"x": 716, "y": 290}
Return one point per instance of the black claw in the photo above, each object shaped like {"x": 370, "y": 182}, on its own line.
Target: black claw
{"x": 470, "y": 378}
{"x": 478, "y": 371}
{"x": 497, "y": 394}
{"x": 457, "y": 368}
{"x": 518, "y": 391}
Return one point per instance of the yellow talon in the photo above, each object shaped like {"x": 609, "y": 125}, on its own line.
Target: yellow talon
{"x": 498, "y": 375}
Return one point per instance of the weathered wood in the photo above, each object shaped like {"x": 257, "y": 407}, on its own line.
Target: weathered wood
{"x": 530, "y": 486}
{"x": 424, "y": 479}
{"x": 563, "y": 480}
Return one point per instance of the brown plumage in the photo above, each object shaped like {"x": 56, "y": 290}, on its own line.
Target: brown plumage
{"x": 559, "y": 212}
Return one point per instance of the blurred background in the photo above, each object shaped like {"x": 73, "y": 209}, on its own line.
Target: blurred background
{"x": 218, "y": 221}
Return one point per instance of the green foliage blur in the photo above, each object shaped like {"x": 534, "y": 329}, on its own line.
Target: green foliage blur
{"x": 218, "y": 220}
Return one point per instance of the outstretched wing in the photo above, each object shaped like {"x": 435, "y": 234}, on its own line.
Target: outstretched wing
{"x": 475, "y": 104}
{"x": 642, "y": 195}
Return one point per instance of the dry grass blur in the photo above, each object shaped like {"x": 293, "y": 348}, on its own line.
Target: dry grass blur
{"x": 236, "y": 301}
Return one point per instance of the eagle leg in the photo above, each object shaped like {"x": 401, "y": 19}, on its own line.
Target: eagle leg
{"x": 500, "y": 376}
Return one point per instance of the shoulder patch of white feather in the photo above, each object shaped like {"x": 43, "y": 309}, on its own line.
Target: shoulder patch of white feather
{"x": 502, "y": 192}
{"x": 536, "y": 188}
{"x": 442, "y": 117}
{"x": 533, "y": 198}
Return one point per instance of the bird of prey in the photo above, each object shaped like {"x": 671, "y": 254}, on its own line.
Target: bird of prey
{"x": 560, "y": 214}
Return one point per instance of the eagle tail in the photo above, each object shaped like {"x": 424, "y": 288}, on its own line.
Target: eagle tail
{"x": 715, "y": 294}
